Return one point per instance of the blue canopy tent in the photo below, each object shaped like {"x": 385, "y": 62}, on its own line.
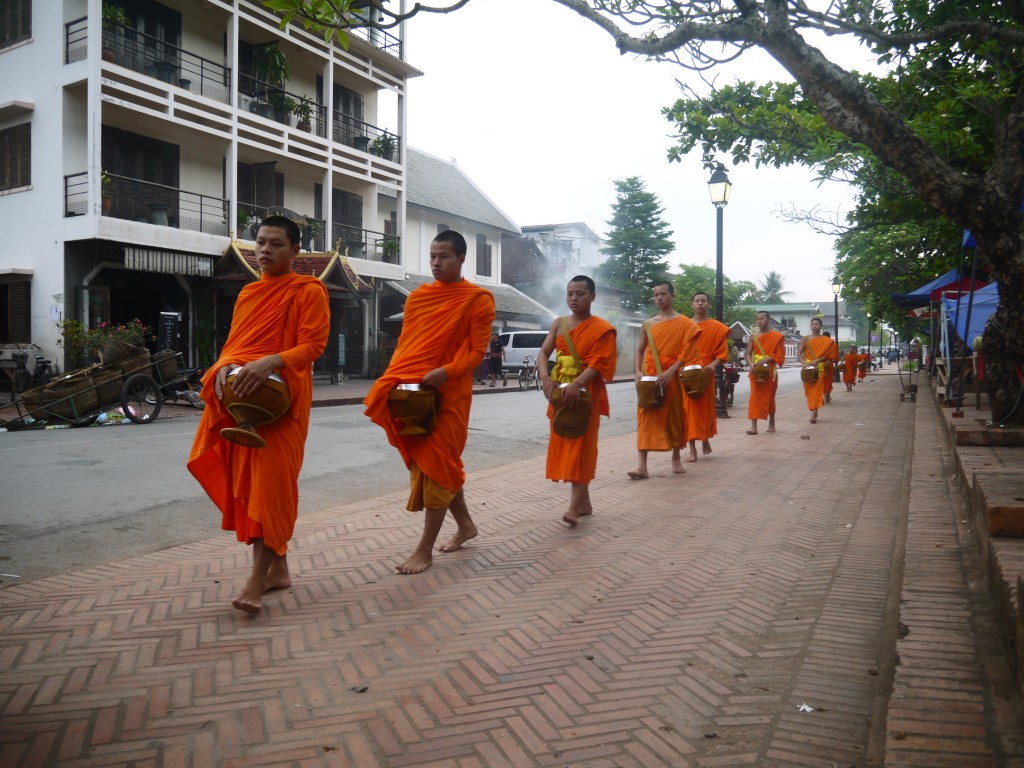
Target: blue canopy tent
{"x": 929, "y": 292}
{"x": 983, "y": 303}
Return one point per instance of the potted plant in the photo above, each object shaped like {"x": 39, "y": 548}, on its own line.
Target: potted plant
{"x": 283, "y": 106}
{"x": 107, "y": 193}
{"x": 304, "y": 115}
{"x": 384, "y": 146}
{"x": 390, "y": 251}
{"x": 311, "y": 231}
{"x": 270, "y": 70}
{"x": 114, "y": 22}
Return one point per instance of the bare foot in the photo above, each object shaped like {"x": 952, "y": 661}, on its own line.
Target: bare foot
{"x": 418, "y": 563}
{"x": 245, "y": 605}
{"x": 277, "y": 578}
{"x": 705, "y": 447}
{"x": 691, "y": 457}
{"x": 458, "y": 539}
{"x": 571, "y": 520}
{"x": 638, "y": 475}
{"x": 771, "y": 426}
{"x": 814, "y": 417}
{"x": 677, "y": 467}
{"x": 751, "y": 431}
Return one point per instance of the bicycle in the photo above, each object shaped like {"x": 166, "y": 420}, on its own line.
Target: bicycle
{"x": 529, "y": 373}
{"x": 39, "y": 376}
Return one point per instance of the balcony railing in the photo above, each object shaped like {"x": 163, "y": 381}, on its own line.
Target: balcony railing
{"x": 151, "y": 56}
{"x": 251, "y": 216}
{"x": 275, "y": 103}
{"x": 365, "y": 137}
{"x": 148, "y": 202}
{"x": 366, "y": 244}
{"x": 379, "y": 39}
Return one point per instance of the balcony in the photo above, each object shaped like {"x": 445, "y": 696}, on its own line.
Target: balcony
{"x": 147, "y": 202}
{"x": 151, "y": 56}
{"x": 366, "y": 244}
{"x": 250, "y": 217}
{"x": 365, "y": 137}
{"x": 275, "y": 103}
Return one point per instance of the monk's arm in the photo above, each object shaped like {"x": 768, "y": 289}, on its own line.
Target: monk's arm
{"x": 313, "y": 321}
{"x": 780, "y": 352}
{"x": 689, "y": 354}
{"x": 545, "y": 354}
{"x": 471, "y": 350}
{"x": 638, "y": 354}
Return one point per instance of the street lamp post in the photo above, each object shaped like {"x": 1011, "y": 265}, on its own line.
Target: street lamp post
{"x": 836, "y": 286}
{"x": 719, "y": 186}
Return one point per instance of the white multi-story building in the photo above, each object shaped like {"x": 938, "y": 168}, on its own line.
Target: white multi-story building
{"x": 136, "y": 146}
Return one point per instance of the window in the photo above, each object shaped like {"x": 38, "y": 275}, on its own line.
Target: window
{"x": 15, "y": 312}
{"x": 15, "y": 21}
{"x": 16, "y": 157}
{"x": 483, "y": 256}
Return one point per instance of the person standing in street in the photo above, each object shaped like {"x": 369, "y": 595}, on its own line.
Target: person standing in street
{"x": 446, "y": 328}
{"x": 280, "y": 326}
{"x": 496, "y": 360}
{"x": 830, "y": 366}
{"x": 713, "y": 344}
{"x": 591, "y": 342}
{"x": 669, "y": 342}
{"x": 814, "y": 350}
{"x": 766, "y": 353}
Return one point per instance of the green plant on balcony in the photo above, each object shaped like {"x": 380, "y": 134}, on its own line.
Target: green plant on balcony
{"x": 115, "y": 20}
{"x": 270, "y": 71}
{"x": 304, "y": 114}
{"x": 282, "y": 104}
{"x": 384, "y": 146}
{"x": 312, "y": 229}
{"x": 389, "y": 249}
{"x": 106, "y": 191}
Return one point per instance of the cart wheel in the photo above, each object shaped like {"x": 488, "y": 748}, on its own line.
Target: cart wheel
{"x": 22, "y": 379}
{"x": 141, "y": 398}
{"x": 86, "y": 422}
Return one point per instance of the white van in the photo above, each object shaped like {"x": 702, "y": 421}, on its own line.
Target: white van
{"x": 519, "y": 344}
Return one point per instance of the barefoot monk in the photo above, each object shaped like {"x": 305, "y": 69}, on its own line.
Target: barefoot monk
{"x": 445, "y": 332}
{"x": 765, "y": 353}
{"x": 279, "y": 326}
{"x": 674, "y": 336}
{"x": 574, "y": 459}
{"x": 713, "y": 343}
{"x": 815, "y": 350}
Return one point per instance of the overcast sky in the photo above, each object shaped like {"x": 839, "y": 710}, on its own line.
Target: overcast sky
{"x": 536, "y": 106}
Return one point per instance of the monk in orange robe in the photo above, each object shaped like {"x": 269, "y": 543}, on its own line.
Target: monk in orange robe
{"x": 850, "y": 362}
{"x": 830, "y": 366}
{"x": 713, "y": 345}
{"x": 574, "y": 460}
{"x": 862, "y": 366}
{"x": 280, "y": 325}
{"x": 663, "y": 428}
{"x": 814, "y": 350}
{"x": 767, "y": 349}
{"x": 445, "y": 332}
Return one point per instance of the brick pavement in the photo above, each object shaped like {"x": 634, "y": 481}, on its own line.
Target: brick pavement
{"x": 692, "y": 621}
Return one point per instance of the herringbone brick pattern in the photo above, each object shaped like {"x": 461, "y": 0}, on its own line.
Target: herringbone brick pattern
{"x": 691, "y": 622}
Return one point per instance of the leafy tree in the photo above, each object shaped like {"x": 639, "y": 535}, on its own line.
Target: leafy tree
{"x": 952, "y": 65}
{"x": 637, "y": 242}
{"x": 694, "y": 278}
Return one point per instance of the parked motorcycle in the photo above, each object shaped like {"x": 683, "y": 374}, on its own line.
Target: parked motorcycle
{"x": 727, "y": 388}
{"x": 185, "y": 388}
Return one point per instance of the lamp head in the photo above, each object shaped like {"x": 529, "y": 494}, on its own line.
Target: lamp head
{"x": 719, "y": 186}
{"x": 836, "y": 286}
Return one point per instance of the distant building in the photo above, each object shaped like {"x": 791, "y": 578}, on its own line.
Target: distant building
{"x": 570, "y": 249}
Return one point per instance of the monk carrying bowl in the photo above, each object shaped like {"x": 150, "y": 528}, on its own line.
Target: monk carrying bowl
{"x": 695, "y": 379}
{"x": 809, "y": 374}
{"x": 266, "y": 405}
{"x": 415, "y": 406}
{"x": 761, "y": 373}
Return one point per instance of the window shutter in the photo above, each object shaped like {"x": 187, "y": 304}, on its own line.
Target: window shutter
{"x": 19, "y": 312}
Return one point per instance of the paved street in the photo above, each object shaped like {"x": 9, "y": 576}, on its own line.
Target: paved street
{"x": 745, "y": 613}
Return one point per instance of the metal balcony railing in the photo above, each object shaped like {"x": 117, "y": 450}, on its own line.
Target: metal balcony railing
{"x": 250, "y": 217}
{"x": 366, "y": 137}
{"x": 151, "y": 56}
{"x": 275, "y": 103}
{"x": 378, "y": 38}
{"x": 148, "y": 202}
{"x": 366, "y": 244}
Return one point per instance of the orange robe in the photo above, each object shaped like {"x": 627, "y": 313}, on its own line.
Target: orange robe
{"x": 664, "y": 428}
{"x": 445, "y": 325}
{"x": 862, "y": 366}
{"x": 762, "y": 395}
{"x": 830, "y": 366}
{"x": 815, "y": 347}
{"x": 850, "y": 361}
{"x": 574, "y": 460}
{"x": 256, "y": 489}
{"x": 701, "y": 422}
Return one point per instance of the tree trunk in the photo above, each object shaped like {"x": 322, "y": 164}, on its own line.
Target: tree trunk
{"x": 1004, "y": 361}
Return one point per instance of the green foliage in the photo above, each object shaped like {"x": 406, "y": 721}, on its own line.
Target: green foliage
{"x": 329, "y": 18}
{"x": 637, "y": 241}
{"x": 269, "y": 64}
{"x": 303, "y": 110}
{"x": 693, "y": 278}
{"x": 384, "y": 145}
{"x": 114, "y": 18}
{"x": 770, "y": 291}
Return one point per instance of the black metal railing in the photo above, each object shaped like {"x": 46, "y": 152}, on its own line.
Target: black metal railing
{"x": 76, "y": 37}
{"x": 148, "y": 202}
{"x": 365, "y": 244}
{"x": 154, "y": 57}
{"x": 366, "y": 137}
{"x": 378, "y": 38}
{"x": 250, "y": 217}
{"x": 275, "y": 103}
